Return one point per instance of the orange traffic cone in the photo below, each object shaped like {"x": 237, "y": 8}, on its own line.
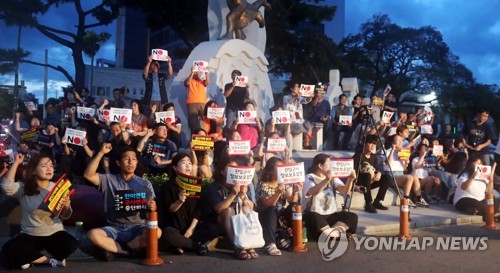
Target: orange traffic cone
{"x": 490, "y": 212}
{"x": 403, "y": 220}
{"x": 152, "y": 241}
{"x": 297, "y": 245}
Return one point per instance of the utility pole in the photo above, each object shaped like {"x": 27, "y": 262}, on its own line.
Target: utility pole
{"x": 45, "y": 79}
{"x": 16, "y": 77}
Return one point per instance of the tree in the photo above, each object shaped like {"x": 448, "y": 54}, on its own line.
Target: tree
{"x": 6, "y": 102}
{"x": 8, "y": 57}
{"x": 28, "y": 11}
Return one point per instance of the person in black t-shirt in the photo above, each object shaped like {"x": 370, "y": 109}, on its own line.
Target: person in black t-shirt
{"x": 235, "y": 98}
{"x": 478, "y": 135}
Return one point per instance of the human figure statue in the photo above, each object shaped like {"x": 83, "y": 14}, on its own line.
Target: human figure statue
{"x": 242, "y": 14}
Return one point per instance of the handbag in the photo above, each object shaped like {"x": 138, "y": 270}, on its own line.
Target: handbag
{"x": 247, "y": 228}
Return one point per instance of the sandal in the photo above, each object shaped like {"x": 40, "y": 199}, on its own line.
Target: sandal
{"x": 272, "y": 250}
{"x": 253, "y": 254}
{"x": 242, "y": 254}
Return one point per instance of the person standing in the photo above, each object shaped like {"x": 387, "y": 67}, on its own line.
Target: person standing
{"x": 235, "y": 97}
{"x": 156, "y": 91}
{"x": 197, "y": 98}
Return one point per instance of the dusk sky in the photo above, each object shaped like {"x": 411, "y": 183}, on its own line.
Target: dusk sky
{"x": 470, "y": 28}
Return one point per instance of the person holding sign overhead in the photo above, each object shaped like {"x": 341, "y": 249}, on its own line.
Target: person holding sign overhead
{"x": 156, "y": 91}
{"x": 235, "y": 97}
{"x": 341, "y": 111}
{"x": 40, "y": 229}
{"x": 126, "y": 230}
{"x": 196, "y": 97}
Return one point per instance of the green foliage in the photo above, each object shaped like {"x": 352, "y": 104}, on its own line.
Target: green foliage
{"x": 157, "y": 180}
{"x": 92, "y": 42}
{"x": 8, "y": 58}
{"x": 6, "y": 104}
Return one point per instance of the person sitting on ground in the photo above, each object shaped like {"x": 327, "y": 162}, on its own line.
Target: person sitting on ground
{"x": 430, "y": 183}
{"x": 265, "y": 155}
{"x": 250, "y": 131}
{"x": 139, "y": 124}
{"x": 341, "y": 110}
{"x": 202, "y": 159}
{"x": 319, "y": 204}
{"x": 174, "y": 128}
{"x": 126, "y": 230}
{"x": 273, "y": 202}
{"x": 40, "y": 229}
{"x": 369, "y": 175}
{"x": 159, "y": 150}
{"x": 120, "y": 138}
{"x": 213, "y": 127}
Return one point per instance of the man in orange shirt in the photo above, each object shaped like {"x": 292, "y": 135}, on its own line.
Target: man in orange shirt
{"x": 197, "y": 98}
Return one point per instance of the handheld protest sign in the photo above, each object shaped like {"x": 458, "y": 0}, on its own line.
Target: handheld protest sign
{"x": 404, "y": 154}
{"x": 130, "y": 200}
{"x": 54, "y": 200}
{"x": 345, "y": 120}
{"x": 275, "y": 145}
{"x": 430, "y": 161}
{"x": 291, "y": 173}
{"x": 202, "y": 143}
{"x": 165, "y": 117}
{"x": 75, "y": 136}
{"x": 240, "y": 175}
{"x": 200, "y": 66}
{"x": 103, "y": 114}
{"x": 281, "y": 117}
{"x": 159, "y": 55}
{"x": 387, "y": 90}
{"x": 426, "y": 129}
{"x": 85, "y": 113}
{"x": 392, "y": 131}
{"x": 190, "y": 184}
{"x": 386, "y": 116}
{"x": 239, "y": 147}
{"x": 247, "y": 117}
{"x": 215, "y": 112}
{"x": 29, "y": 135}
{"x": 484, "y": 172}
{"x": 411, "y": 128}
{"x": 341, "y": 167}
{"x": 31, "y": 106}
{"x": 241, "y": 81}
{"x": 378, "y": 101}
{"x": 437, "y": 150}
{"x": 120, "y": 114}
{"x": 306, "y": 90}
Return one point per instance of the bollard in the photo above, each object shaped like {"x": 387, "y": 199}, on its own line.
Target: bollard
{"x": 403, "y": 220}
{"x": 297, "y": 245}
{"x": 152, "y": 241}
{"x": 490, "y": 212}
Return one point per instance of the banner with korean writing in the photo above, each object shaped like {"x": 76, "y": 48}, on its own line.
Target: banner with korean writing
{"x": 159, "y": 55}
{"x": 404, "y": 153}
{"x": 202, "y": 142}
{"x": 75, "y": 136}
{"x": 281, "y": 117}
{"x": 120, "y": 114}
{"x": 247, "y": 117}
{"x": 378, "y": 101}
{"x": 437, "y": 150}
{"x": 215, "y": 112}
{"x": 29, "y": 135}
{"x": 426, "y": 129}
{"x": 85, "y": 113}
{"x": 240, "y": 175}
{"x": 241, "y": 81}
{"x": 341, "y": 167}
{"x": 131, "y": 201}
{"x": 200, "y": 66}
{"x": 31, "y": 106}
{"x": 430, "y": 161}
{"x": 190, "y": 184}
{"x": 55, "y": 198}
{"x": 165, "y": 117}
{"x": 239, "y": 147}
{"x": 276, "y": 145}
{"x": 345, "y": 120}
{"x": 291, "y": 173}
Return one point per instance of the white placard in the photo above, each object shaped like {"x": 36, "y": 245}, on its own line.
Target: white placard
{"x": 85, "y": 113}
{"x": 30, "y": 105}
{"x": 426, "y": 129}
{"x": 247, "y": 117}
{"x": 386, "y": 116}
{"x": 341, "y": 167}
{"x": 165, "y": 117}
{"x": 75, "y": 136}
{"x": 240, "y": 175}
{"x": 437, "y": 150}
{"x": 8, "y": 153}
{"x": 392, "y": 131}
{"x": 275, "y": 145}
{"x": 484, "y": 172}
{"x": 345, "y": 120}
{"x": 120, "y": 114}
{"x": 159, "y": 54}
{"x": 387, "y": 90}
{"x": 239, "y": 147}
{"x": 215, "y": 112}
{"x": 306, "y": 90}
{"x": 291, "y": 173}
{"x": 200, "y": 66}
{"x": 102, "y": 114}
{"x": 241, "y": 81}
{"x": 281, "y": 117}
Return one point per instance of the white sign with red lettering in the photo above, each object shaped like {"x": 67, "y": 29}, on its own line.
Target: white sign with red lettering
{"x": 159, "y": 55}
{"x": 241, "y": 81}
{"x": 386, "y": 116}
{"x": 247, "y": 117}
{"x": 75, "y": 136}
{"x": 306, "y": 90}
{"x": 165, "y": 117}
{"x": 200, "y": 66}
{"x": 275, "y": 145}
{"x": 120, "y": 114}
{"x": 426, "y": 129}
{"x": 387, "y": 90}
{"x": 239, "y": 147}
{"x": 437, "y": 150}
{"x": 215, "y": 112}
{"x": 281, "y": 117}
{"x": 341, "y": 167}
{"x": 102, "y": 114}
{"x": 291, "y": 173}
{"x": 240, "y": 175}
{"x": 484, "y": 172}
{"x": 345, "y": 120}
{"x": 85, "y": 113}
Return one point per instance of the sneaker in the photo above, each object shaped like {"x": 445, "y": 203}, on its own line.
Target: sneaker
{"x": 369, "y": 208}
{"x": 411, "y": 204}
{"x": 25, "y": 266}
{"x": 379, "y": 205}
{"x": 422, "y": 203}
{"x": 201, "y": 249}
{"x": 55, "y": 263}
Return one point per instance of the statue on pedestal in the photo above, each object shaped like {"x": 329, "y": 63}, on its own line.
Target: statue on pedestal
{"x": 242, "y": 14}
